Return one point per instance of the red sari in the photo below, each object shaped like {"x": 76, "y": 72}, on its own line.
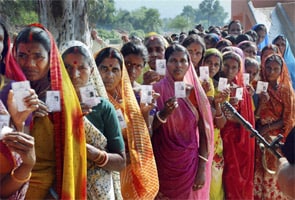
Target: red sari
{"x": 238, "y": 149}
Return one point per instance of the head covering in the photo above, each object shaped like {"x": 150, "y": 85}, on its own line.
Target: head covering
{"x": 95, "y": 77}
{"x": 139, "y": 180}
{"x": 11, "y": 69}
{"x": 265, "y": 41}
{"x": 289, "y": 59}
{"x": 68, "y": 129}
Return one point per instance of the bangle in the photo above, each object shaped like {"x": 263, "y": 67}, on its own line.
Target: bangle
{"x": 105, "y": 161}
{"x": 219, "y": 116}
{"x": 203, "y": 158}
{"x": 159, "y": 118}
{"x": 17, "y": 179}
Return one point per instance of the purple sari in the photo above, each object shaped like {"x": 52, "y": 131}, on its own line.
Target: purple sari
{"x": 176, "y": 142}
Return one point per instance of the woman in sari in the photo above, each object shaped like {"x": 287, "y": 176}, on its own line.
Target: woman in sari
{"x": 238, "y": 147}
{"x": 17, "y": 154}
{"x": 276, "y": 116}
{"x": 262, "y": 36}
{"x": 60, "y": 169}
{"x": 103, "y": 133}
{"x": 139, "y": 180}
{"x": 285, "y": 49}
{"x": 213, "y": 59}
{"x": 183, "y": 132}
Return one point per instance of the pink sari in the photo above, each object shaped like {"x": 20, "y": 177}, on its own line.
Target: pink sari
{"x": 176, "y": 142}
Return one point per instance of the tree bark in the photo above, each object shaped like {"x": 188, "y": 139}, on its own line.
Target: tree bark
{"x": 65, "y": 19}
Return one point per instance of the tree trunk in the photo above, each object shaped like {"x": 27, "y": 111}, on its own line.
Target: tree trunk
{"x": 65, "y": 19}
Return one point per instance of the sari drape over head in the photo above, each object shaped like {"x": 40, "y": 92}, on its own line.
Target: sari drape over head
{"x": 68, "y": 132}
{"x": 176, "y": 142}
{"x": 101, "y": 183}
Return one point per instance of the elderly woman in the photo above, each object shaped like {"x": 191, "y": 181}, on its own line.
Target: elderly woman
{"x": 60, "y": 169}
{"x": 183, "y": 132}
{"x": 275, "y": 113}
{"x": 139, "y": 180}
{"x": 102, "y": 128}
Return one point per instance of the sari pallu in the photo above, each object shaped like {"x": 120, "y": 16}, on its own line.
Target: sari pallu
{"x": 139, "y": 180}
{"x": 66, "y": 128}
{"x": 281, "y": 106}
{"x": 176, "y": 142}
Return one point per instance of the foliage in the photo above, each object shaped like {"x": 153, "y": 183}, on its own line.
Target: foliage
{"x": 180, "y": 23}
{"x": 101, "y": 12}
{"x": 212, "y": 12}
{"x": 19, "y": 12}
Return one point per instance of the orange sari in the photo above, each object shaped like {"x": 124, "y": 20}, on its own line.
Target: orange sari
{"x": 139, "y": 180}
{"x": 281, "y": 106}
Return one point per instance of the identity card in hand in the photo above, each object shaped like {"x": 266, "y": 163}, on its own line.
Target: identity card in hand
{"x": 222, "y": 84}
{"x": 121, "y": 118}
{"x": 161, "y": 66}
{"x": 146, "y": 94}
{"x": 53, "y": 100}
{"x": 246, "y": 77}
{"x": 261, "y": 87}
{"x": 239, "y": 93}
{"x": 20, "y": 91}
{"x": 89, "y": 95}
{"x": 204, "y": 73}
{"x": 179, "y": 88}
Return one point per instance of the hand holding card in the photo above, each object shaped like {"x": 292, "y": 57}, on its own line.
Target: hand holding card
{"x": 180, "y": 89}
{"x": 89, "y": 95}
{"x": 146, "y": 94}
{"x": 261, "y": 87}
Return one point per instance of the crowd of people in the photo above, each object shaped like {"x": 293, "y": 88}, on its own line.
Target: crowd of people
{"x": 148, "y": 120}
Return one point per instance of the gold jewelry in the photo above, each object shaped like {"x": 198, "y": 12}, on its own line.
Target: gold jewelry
{"x": 17, "y": 179}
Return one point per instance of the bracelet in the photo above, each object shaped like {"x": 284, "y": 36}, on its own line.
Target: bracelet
{"x": 159, "y": 118}
{"x": 203, "y": 158}
{"x": 17, "y": 179}
{"x": 105, "y": 161}
{"x": 219, "y": 116}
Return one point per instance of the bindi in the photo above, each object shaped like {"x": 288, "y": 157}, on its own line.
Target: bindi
{"x": 75, "y": 62}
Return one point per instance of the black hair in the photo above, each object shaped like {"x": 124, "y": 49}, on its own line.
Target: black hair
{"x": 176, "y": 48}
{"x": 242, "y": 37}
{"x": 33, "y": 34}
{"x": 279, "y": 37}
{"x": 252, "y": 34}
{"x": 232, "y": 22}
{"x": 108, "y": 52}
{"x": 136, "y": 48}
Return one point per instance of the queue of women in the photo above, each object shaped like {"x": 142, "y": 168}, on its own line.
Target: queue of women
{"x": 146, "y": 121}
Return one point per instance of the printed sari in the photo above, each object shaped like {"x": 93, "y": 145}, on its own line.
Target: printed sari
{"x": 59, "y": 138}
{"x": 176, "y": 142}
{"x": 281, "y": 106}
{"x": 139, "y": 180}
{"x": 101, "y": 183}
